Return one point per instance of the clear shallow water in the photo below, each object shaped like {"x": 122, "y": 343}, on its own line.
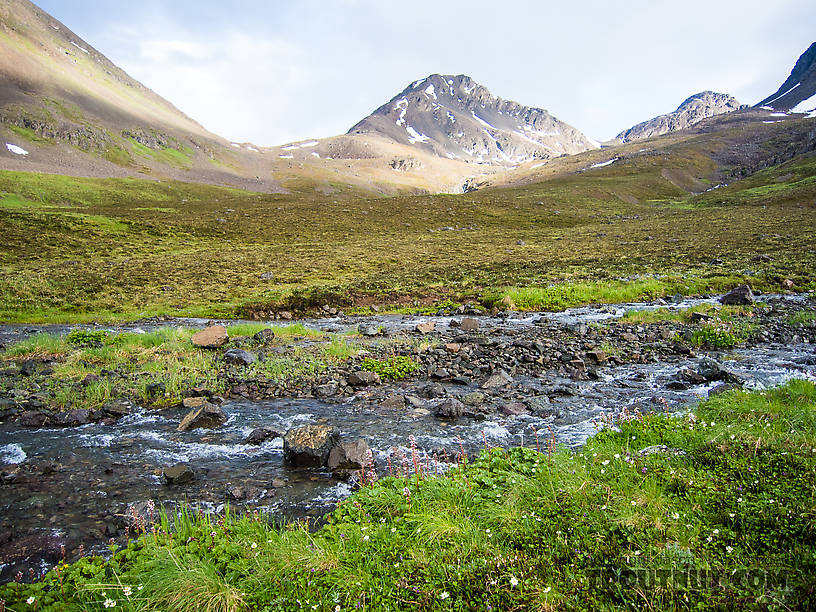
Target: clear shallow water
{"x": 85, "y": 478}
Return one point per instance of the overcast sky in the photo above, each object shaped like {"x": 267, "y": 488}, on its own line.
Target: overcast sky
{"x": 273, "y": 71}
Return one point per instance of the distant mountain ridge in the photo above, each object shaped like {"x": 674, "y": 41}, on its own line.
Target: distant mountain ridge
{"x": 453, "y": 116}
{"x": 693, "y": 110}
{"x": 798, "y": 92}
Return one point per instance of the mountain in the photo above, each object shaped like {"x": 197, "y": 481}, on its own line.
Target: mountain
{"x": 455, "y": 117}
{"x": 66, "y": 108}
{"x": 693, "y": 110}
{"x": 798, "y": 92}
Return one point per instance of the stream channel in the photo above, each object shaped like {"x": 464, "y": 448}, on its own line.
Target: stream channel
{"x": 89, "y": 476}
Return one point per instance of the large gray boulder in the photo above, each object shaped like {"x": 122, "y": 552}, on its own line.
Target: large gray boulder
{"x": 738, "y": 296}
{"x": 349, "y": 456}
{"x": 310, "y": 445}
{"x": 448, "y": 408}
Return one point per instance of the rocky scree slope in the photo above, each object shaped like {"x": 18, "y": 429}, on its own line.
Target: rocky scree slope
{"x": 455, "y": 117}
{"x": 798, "y": 92}
{"x": 693, "y": 110}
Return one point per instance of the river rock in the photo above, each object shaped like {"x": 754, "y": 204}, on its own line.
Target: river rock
{"x": 448, "y": 408}
{"x": 310, "y": 445}
{"x": 207, "y": 416}
{"x": 369, "y": 329}
{"x": 469, "y": 324}
{"x": 260, "y": 435}
{"x": 363, "y": 378}
{"x": 500, "y": 379}
{"x": 393, "y": 402}
{"x": 738, "y": 296}
{"x": 178, "y": 474}
{"x": 425, "y": 328}
{"x": 33, "y": 418}
{"x": 712, "y": 371}
{"x": 72, "y": 418}
{"x": 473, "y": 398}
{"x": 349, "y": 456}
{"x": 239, "y": 357}
{"x": 327, "y": 390}
{"x": 514, "y": 409}
{"x": 211, "y": 337}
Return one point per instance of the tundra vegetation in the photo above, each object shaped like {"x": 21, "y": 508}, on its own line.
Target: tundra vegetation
{"x": 113, "y": 249}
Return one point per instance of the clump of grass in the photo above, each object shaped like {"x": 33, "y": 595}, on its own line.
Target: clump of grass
{"x": 720, "y": 333}
{"x": 803, "y": 317}
{"x": 730, "y": 498}
{"x": 395, "y": 367}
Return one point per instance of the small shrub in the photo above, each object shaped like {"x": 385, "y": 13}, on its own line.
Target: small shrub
{"x": 394, "y": 368}
{"x": 720, "y": 334}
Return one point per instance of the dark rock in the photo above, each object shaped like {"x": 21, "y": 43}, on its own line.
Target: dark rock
{"x": 211, "y": 337}
{"x": 440, "y": 374}
{"x": 500, "y": 379}
{"x": 369, "y": 329}
{"x": 208, "y": 416}
{"x": 264, "y": 336}
{"x": 117, "y": 408}
{"x": 722, "y": 388}
{"x": 239, "y": 357}
{"x": 310, "y": 445}
{"x": 28, "y": 367}
{"x": 461, "y": 380}
{"x": 89, "y": 380}
{"x": 448, "y": 408}
{"x": 690, "y": 376}
{"x": 72, "y": 418}
{"x": 432, "y": 391}
{"x": 393, "y": 402}
{"x": 33, "y": 418}
{"x": 597, "y": 355}
{"x": 739, "y": 296}
{"x": 700, "y": 317}
{"x": 178, "y": 474}
{"x": 155, "y": 389}
{"x": 363, "y": 378}
{"x": 327, "y": 390}
{"x": 349, "y": 456}
{"x": 513, "y": 409}
{"x": 262, "y": 434}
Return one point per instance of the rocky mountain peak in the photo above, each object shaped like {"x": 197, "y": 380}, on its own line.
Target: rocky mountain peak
{"x": 798, "y": 92}
{"x": 454, "y": 116}
{"x": 692, "y": 110}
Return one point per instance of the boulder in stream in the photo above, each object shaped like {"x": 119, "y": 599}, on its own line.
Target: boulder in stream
{"x": 178, "y": 474}
{"x": 206, "y": 415}
{"x": 738, "y": 296}
{"x": 310, "y": 445}
{"x": 363, "y": 378}
{"x": 448, "y": 408}
{"x": 260, "y": 435}
{"x": 349, "y": 456}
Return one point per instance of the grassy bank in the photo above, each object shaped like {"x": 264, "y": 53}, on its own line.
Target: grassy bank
{"x": 723, "y": 517}
{"x": 113, "y": 249}
{"x": 158, "y": 368}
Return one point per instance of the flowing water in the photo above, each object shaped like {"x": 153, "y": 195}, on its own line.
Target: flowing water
{"x": 86, "y": 477}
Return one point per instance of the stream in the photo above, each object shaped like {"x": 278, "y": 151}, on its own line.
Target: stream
{"x": 83, "y": 480}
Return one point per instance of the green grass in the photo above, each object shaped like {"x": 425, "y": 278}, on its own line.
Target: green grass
{"x": 28, "y": 134}
{"x": 626, "y": 234}
{"x": 513, "y": 530}
{"x": 167, "y": 358}
{"x": 177, "y": 158}
{"x": 803, "y": 317}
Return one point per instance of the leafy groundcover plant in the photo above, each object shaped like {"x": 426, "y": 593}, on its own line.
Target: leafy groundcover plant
{"x": 710, "y": 510}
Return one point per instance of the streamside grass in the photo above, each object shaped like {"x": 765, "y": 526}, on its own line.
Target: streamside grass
{"x": 712, "y": 509}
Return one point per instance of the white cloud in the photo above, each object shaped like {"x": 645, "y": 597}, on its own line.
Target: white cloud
{"x": 272, "y": 72}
